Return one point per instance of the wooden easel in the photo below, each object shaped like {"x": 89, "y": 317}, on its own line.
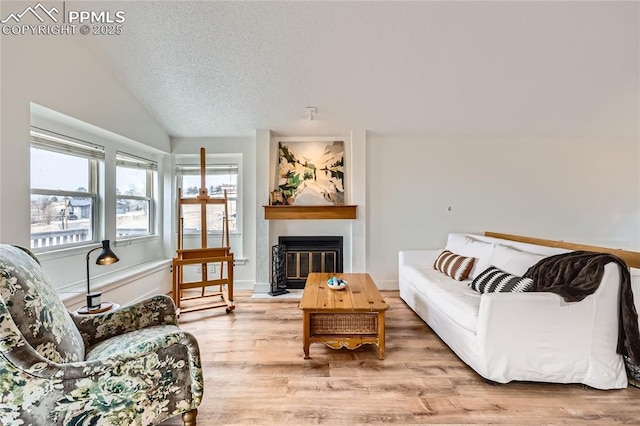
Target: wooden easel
{"x": 205, "y": 255}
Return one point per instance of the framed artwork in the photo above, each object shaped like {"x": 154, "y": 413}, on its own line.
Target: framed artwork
{"x": 311, "y": 173}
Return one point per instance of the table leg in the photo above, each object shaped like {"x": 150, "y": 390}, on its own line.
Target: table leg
{"x": 381, "y": 335}
{"x": 306, "y": 324}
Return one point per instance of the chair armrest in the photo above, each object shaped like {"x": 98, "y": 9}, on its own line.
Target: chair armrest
{"x": 128, "y": 380}
{"x": 22, "y": 357}
{"x": 16, "y": 354}
{"x": 156, "y": 310}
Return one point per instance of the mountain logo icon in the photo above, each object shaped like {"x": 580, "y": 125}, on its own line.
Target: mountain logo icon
{"x": 39, "y": 11}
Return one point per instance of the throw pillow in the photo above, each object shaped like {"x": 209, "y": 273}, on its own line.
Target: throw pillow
{"x": 454, "y": 265}
{"x": 493, "y": 280}
{"x": 466, "y": 245}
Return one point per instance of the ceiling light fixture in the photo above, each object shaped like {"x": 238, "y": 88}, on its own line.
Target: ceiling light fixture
{"x": 311, "y": 113}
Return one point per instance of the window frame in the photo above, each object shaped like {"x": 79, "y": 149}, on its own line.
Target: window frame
{"x": 131, "y": 161}
{"x": 66, "y": 145}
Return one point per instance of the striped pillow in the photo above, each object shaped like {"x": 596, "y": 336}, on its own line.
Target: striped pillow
{"x": 454, "y": 265}
{"x": 493, "y": 280}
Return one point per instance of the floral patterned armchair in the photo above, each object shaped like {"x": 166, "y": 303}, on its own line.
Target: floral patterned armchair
{"x": 130, "y": 366}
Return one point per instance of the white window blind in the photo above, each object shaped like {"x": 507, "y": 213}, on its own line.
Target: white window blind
{"x": 44, "y": 139}
{"x": 131, "y": 161}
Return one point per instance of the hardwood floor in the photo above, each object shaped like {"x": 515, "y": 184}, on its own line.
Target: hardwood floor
{"x": 255, "y": 374}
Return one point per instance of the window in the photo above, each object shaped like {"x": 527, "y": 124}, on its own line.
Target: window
{"x": 218, "y": 179}
{"x": 64, "y": 174}
{"x": 134, "y": 195}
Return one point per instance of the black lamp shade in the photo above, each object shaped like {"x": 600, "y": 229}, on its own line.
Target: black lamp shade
{"x": 106, "y": 256}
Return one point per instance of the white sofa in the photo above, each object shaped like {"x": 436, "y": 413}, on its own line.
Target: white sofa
{"x": 532, "y": 336}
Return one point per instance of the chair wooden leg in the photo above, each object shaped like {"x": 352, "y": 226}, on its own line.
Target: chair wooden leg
{"x": 189, "y": 418}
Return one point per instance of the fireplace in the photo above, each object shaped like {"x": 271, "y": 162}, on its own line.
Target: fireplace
{"x": 303, "y": 255}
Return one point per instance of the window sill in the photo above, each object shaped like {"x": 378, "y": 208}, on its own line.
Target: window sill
{"x": 124, "y": 241}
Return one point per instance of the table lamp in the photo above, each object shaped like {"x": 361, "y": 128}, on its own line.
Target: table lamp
{"x": 106, "y": 257}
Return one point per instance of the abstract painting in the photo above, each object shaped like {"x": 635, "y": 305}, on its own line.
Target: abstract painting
{"x": 311, "y": 173}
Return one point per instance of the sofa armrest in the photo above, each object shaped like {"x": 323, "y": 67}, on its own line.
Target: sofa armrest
{"x": 520, "y": 322}
{"x": 549, "y": 317}
{"x": 156, "y": 310}
{"x": 418, "y": 257}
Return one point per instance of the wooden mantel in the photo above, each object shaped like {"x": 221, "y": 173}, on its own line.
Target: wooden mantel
{"x": 309, "y": 212}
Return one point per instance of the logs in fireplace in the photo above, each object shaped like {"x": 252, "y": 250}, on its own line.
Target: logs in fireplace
{"x": 302, "y": 255}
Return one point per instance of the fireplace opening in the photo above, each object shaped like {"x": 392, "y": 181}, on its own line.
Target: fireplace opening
{"x": 303, "y": 255}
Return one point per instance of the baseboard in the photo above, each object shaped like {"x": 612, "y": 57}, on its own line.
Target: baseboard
{"x": 243, "y": 285}
{"x": 261, "y": 288}
{"x": 387, "y": 284}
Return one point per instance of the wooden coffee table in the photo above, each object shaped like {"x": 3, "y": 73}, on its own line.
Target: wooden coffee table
{"x": 347, "y": 318}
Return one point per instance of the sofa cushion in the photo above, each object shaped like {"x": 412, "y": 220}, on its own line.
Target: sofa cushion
{"x": 454, "y": 265}
{"x": 496, "y": 280}
{"x": 513, "y": 261}
{"x": 468, "y": 246}
{"x": 460, "y": 303}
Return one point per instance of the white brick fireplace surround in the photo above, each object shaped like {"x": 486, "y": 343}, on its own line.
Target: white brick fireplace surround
{"x": 353, "y": 231}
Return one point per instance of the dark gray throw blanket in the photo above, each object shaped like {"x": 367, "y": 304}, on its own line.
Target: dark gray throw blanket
{"x": 577, "y": 274}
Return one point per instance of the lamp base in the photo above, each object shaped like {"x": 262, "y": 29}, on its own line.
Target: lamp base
{"x": 93, "y": 301}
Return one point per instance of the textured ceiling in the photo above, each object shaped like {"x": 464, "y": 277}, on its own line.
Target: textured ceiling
{"x": 457, "y": 68}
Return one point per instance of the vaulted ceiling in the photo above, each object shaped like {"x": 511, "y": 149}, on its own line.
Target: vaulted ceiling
{"x": 438, "y": 68}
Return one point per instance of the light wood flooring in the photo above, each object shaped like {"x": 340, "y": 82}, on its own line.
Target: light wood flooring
{"x": 255, "y": 373}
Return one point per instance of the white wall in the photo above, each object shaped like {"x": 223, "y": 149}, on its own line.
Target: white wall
{"x": 58, "y": 73}
{"x": 533, "y": 118}
{"x": 264, "y": 177}
{"x": 576, "y": 190}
